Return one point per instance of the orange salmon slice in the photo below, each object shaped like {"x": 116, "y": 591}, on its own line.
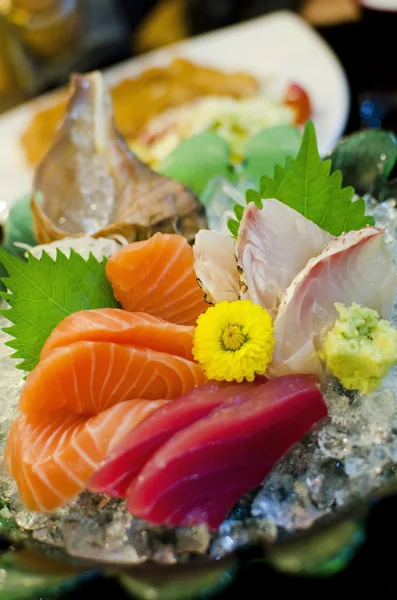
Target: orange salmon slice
{"x": 122, "y": 327}
{"x": 86, "y": 378}
{"x": 53, "y": 458}
{"x": 157, "y": 276}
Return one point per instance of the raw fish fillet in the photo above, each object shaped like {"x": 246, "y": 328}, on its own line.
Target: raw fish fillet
{"x": 273, "y": 244}
{"x": 157, "y": 277}
{"x": 128, "y": 458}
{"x": 357, "y": 267}
{"x": 122, "y": 327}
{"x": 88, "y": 377}
{"x": 52, "y": 456}
{"x": 198, "y": 474}
{"x": 215, "y": 266}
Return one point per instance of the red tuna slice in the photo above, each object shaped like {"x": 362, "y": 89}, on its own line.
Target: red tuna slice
{"x": 128, "y": 458}
{"x": 199, "y": 474}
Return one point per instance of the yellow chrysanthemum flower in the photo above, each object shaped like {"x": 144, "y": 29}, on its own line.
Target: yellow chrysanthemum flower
{"x": 234, "y": 341}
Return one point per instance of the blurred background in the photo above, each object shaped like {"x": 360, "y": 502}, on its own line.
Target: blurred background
{"x": 43, "y": 41}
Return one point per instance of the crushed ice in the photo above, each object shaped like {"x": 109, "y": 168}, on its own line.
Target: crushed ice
{"x": 351, "y": 453}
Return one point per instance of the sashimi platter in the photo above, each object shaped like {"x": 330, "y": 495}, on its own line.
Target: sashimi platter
{"x": 193, "y": 359}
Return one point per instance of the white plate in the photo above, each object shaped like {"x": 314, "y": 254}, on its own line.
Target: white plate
{"x": 279, "y": 48}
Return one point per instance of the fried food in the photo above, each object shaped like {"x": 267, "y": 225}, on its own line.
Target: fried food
{"x": 136, "y": 100}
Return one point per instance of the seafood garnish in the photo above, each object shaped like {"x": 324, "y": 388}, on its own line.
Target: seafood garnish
{"x": 92, "y": 183}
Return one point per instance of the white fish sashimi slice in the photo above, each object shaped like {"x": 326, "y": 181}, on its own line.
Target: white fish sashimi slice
{"x": 85, "y": 245}
{"x": 215, "y": 266}
{"x": 274, "y": 244}
{"x": 357, "y": 267}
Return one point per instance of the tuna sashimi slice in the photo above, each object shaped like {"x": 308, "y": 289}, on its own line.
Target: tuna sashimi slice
{"x": 357, "y": 267}
{"x": 273, "y": 244}
{"x": 215, "y": 266}
{"x": 157, "y": 276}
{"x": 197, "y": 476}
{"x": 51, "y": 459}
{"x": 122, "y": 327}
{"x": 128, "y": 458}
{"x": 89, "y": 377}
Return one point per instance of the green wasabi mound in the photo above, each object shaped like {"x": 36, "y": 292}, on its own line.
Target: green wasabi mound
{"x": 360, "y": 348}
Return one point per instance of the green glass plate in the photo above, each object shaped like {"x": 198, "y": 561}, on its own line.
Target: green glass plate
{"x": 29, "y": 570}
{"x": 367, "y": 159}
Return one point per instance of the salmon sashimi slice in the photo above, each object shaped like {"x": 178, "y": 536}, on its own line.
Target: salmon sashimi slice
{"x": 89, "y": 377}
{"x": 128, "y": 458}
{"x": 52, "y": 459}
{"x": 199, "y": 474}
{"x": 157, "y": 276}
{"x": 122, "y": 327}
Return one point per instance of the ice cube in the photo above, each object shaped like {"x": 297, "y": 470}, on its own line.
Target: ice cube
{"x": 349, "y": 457}
{"x": 193, "y": 539}
{"x": 385, "y": 215}
{"x": 236, "y": 534}
{"x": 51, "y": 533}
{"x": 11, "y": 383}
{"x": 219, "y": 198}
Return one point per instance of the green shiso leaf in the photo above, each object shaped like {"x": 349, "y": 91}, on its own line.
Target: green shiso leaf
{"x": 42, "y": 292}
{"x": 197, "y": 160}
{"x": 306, "y": 185}
{"x": 3, "y": 273}
{"x": 19, "y": 227}
{"x": 233, "y": 227}
{"x": 238, "y": 211}
{"x": 270, "y": 147}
